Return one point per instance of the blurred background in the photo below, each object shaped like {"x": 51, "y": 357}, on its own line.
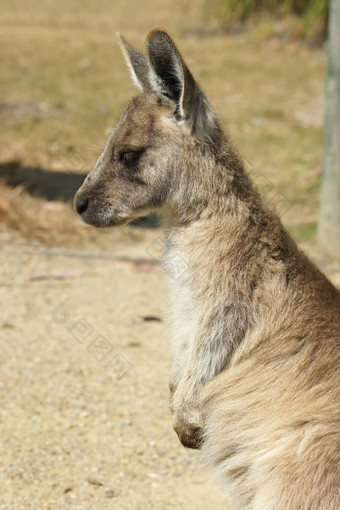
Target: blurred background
{"x": 64, "y": 83}
{"x": 84, "y": 356}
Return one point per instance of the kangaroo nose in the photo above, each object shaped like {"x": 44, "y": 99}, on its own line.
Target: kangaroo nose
{"x": 82, "y": 202}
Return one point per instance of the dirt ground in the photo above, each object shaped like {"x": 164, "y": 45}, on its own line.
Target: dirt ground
{"x": 85, "y": 422}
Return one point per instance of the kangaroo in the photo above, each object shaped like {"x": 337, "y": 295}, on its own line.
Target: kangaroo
{"x": 255, "y": 325}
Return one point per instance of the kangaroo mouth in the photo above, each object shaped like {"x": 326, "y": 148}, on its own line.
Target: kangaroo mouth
{"x": 93, "y": 213}
{"x": 102, "y": 222}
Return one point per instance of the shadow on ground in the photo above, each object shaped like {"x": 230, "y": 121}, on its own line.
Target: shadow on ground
{"x": 51, "y": 185}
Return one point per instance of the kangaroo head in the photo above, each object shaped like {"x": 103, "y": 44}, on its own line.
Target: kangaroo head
{"x": 144, "y": 159}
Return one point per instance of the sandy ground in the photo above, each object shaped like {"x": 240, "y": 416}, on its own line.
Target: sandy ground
{"x": 85, "y": 422}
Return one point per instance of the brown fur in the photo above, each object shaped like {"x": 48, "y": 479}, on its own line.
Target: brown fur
{"x": 256, "y": 326}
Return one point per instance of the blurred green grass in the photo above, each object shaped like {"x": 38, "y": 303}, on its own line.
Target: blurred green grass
{"x": 64, "y": 83}
{"x": 304, "y": 232}
{"x": 308, "y": 18}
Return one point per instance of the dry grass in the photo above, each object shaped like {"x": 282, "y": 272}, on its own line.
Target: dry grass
{"x": 63, "y": 84}
{"x": 54, "y": 223}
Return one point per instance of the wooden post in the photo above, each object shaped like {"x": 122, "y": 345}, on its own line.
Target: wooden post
{"x": 329, "y": 224}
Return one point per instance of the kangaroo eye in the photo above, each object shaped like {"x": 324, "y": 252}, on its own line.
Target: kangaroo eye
{"x": 130, "y": 157}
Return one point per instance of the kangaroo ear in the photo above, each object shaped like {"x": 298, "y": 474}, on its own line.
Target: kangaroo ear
{"x": 171, "y": 79}
{"x": 137, "y": 63}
